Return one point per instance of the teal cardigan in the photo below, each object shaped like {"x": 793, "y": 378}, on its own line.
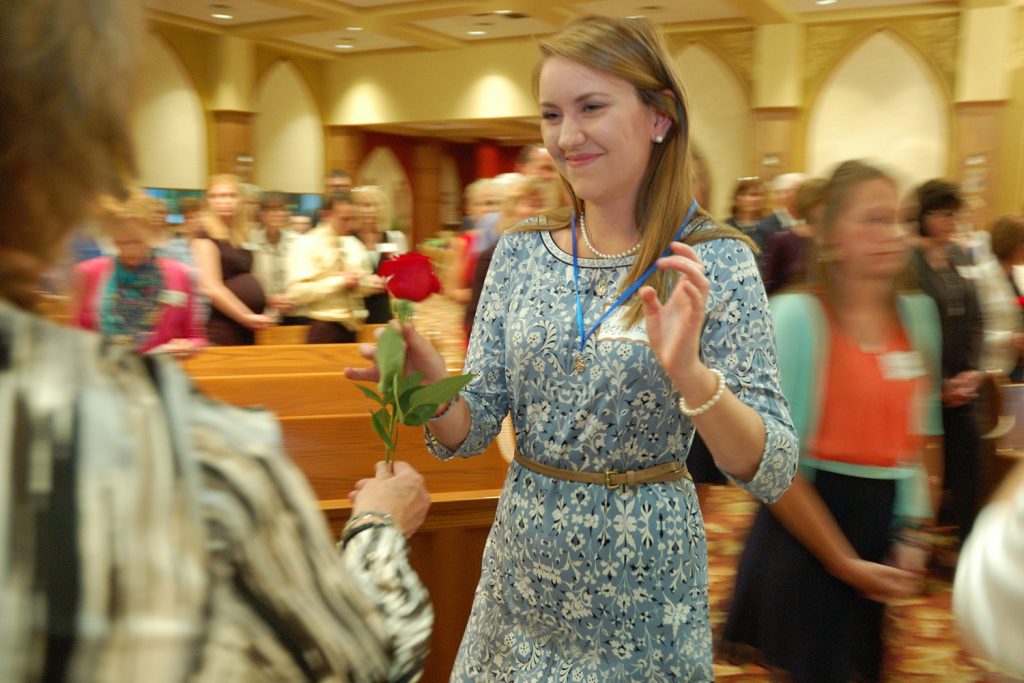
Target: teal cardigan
{"x": 802, "y": 342}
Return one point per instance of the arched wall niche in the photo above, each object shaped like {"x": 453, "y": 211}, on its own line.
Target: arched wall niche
{"x": 721, "y": 122}
{"x": 169, "y": 124}
{"x": 382, "y": 168}
{"x": 883, "y": 102}
{"x": 289, "y": 134}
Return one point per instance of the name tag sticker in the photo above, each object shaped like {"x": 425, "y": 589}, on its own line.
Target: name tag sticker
{"x": 172, "y": 297}
{"x": 615, "y": 328}
{"x": 901, "y": 365}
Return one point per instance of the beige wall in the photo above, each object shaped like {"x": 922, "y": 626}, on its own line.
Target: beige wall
{"x": 289, "y": 135}
{"x": 721, "y": 121}
{"x": 883, "y": 100}
{"x": 882, "y": 103}
{"x": 472, "y": 83}
{"x": 169, "y": 125}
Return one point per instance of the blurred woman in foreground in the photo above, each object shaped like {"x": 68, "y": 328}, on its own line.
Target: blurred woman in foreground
{"x": 152, "y": 534}
{"x": 860, "y": 368}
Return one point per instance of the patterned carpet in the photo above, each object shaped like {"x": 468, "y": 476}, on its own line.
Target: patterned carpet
{"x": 921, "y": 640}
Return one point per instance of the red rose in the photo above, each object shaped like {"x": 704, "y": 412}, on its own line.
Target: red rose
{"x": 410, "y": 277}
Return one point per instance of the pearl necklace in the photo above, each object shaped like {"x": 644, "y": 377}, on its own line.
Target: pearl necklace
{"x": 586, "y": 240}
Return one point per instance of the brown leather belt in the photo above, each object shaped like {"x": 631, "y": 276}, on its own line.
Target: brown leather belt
{"x": 665, "y": 472}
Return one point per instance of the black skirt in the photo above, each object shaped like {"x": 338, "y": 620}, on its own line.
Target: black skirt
{"x": 789, "y": 614}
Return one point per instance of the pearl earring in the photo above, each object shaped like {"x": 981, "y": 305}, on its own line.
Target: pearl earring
{"x": 658, "y": 139}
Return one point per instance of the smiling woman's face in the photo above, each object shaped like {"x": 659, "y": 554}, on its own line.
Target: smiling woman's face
{"x": 596, "y": 128}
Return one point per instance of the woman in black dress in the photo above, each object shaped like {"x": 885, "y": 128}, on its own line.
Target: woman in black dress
{"x": 938, "y": 262}
{"x": 236, "y": 297}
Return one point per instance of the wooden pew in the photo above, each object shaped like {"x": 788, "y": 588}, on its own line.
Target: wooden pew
{"x": 326, "y": 431}
{"x": 335, "y": 451}
{"x": 273, "y": 360}
{"x": 1008, "y": 435}
{"x": 282, "y": 334}
{"x": 315, "y": 393}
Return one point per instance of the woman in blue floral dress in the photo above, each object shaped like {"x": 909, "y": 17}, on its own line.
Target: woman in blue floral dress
{"x": 596, "y": 566}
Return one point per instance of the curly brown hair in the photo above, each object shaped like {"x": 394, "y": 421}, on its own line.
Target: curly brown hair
{"x": 67, "y": 67}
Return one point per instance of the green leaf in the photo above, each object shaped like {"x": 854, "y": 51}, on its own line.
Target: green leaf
{"x": 440, "y": 391}
{"x": 420, "y": 414}
{"x": 395, "y": 393}
{"x": 390, "y": 359}
{"x": 380, "y": 425}
{"x": 371, "y": 394}
{"x": 406, "y": 386}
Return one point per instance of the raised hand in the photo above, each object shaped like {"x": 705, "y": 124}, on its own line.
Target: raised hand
{"x": 420, "y": 355}
{"x": 674, "y": 327}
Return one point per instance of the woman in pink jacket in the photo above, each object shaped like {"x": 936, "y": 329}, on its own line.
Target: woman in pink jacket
{"x": 136, "y": 298}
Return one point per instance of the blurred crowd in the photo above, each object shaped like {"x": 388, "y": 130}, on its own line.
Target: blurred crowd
{"x": 242, "y": 260}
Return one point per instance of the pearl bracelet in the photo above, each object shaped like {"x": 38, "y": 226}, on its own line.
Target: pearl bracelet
{"x": 694, "y": 412}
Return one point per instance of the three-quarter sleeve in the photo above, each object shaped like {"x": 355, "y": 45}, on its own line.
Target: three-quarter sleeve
{"x": 285, "y": 594}
{"x": 738, "y": 339}
{"x": 487, "y": 394}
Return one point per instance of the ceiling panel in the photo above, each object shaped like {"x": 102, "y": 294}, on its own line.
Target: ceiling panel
{"x": 375, "y": 3}
{"x": 487, "y": 26}
{"x": 445, "y": 24}
{"x": 813, "y": 6}
{"x": 360, "y": 41}
{"x": 241, "y": 11}
{"x": 663, "y": 11}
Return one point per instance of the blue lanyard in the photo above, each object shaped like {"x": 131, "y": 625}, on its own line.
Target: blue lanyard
{"x": 629, "y": 292}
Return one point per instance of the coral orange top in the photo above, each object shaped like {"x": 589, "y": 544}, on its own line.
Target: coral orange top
{"x": 868, "y": 418}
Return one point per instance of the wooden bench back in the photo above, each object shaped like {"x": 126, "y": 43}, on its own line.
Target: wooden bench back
{"x": 335, "y": 451}
{"x": 287, "y": 359}
{"x": 301, "y": 394}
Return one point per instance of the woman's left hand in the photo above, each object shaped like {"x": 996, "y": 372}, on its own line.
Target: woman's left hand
{"x": 181, "y": 348}
{"x": 674, "y": 327}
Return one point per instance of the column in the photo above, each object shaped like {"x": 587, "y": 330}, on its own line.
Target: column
{"x": 231, "y": 115}
{"x": 983, "y": 82}
{"x": 778, "y": 98}
{"x": 426, "y": 190}
{"x": 486, "y": 159}
{"x": 346, "y": 147}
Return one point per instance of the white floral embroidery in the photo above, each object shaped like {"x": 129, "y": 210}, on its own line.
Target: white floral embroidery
{"x": 579, "y": 582}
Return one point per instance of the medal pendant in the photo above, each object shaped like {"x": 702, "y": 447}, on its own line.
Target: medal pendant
{"x": 579, "y": 365}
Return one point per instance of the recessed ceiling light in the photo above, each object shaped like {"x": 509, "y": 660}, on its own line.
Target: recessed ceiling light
{"x": 353, "y": 28}
{"x": 221, "y": 12}
{"x": 476, "y": 33}
{"x": 503, "y": 11}
{"x": 824, "y": 2}
{"x": 343, "y": 46}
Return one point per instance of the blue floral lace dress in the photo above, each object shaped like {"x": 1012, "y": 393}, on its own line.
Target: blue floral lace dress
{"x": 581, "y": 582}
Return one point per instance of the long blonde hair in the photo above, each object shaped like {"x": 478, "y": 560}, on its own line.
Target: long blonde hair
{"x": 215, "y": 227}
{"x": 68, "y": 71}
{"x": 633, "y": 51}
{"x": 847, "y": 176}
